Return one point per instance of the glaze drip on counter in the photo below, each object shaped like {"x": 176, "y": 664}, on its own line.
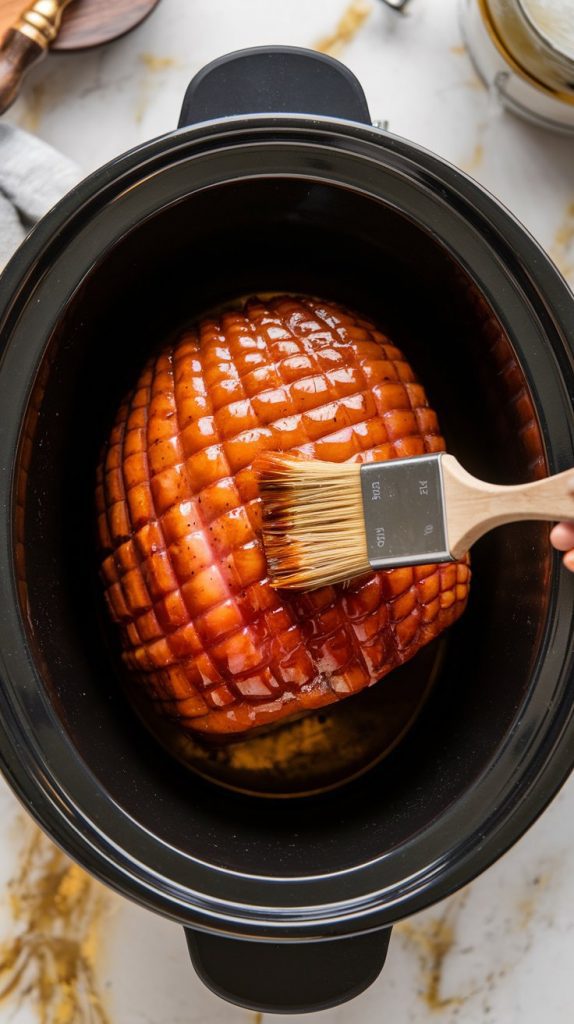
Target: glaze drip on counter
{"x": 205, "y": 636}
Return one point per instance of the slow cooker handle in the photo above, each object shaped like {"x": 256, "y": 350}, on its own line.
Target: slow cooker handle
{"x": 273, "y": 80}
{"x": 288, "y": 977}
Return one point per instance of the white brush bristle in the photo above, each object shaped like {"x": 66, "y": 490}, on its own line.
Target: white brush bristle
{"x": 313, "y": 523}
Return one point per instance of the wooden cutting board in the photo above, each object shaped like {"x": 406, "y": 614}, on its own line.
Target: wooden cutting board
{"x": 86, "y": 23}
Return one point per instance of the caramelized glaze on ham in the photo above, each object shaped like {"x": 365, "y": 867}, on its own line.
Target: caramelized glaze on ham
{"x": 206, "y": 637}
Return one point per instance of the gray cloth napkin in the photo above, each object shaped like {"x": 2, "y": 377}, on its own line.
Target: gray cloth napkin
{"x": 33, "y": 177}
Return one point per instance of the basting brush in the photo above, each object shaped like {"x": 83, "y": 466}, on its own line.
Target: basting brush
{"x": 325, "y": 522}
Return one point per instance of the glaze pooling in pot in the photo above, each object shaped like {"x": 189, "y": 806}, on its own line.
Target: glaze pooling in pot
{"x": 215, "y": 647}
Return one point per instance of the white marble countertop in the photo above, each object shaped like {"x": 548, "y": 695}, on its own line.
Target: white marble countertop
{"x": 503, "y": 950}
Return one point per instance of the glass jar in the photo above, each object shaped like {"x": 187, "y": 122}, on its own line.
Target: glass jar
{"x": 524, "y": 51}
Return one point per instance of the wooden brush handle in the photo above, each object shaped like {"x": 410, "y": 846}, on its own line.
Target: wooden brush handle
{"x": 474, "y": 507}
{"x": 26, "y": 43}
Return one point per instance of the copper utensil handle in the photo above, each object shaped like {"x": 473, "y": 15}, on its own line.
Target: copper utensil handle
{"x": 26, "y": 43}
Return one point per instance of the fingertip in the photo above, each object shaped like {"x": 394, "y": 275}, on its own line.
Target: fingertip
{"x": 562, "y": 536}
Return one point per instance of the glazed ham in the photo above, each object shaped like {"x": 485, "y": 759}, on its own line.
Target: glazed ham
{"x": 204, "y": 635}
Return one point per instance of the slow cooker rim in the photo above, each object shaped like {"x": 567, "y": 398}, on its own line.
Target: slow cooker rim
{"x": 17, "y": 276}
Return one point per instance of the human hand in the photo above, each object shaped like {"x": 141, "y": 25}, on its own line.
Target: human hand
{"x": 562, "y": 538}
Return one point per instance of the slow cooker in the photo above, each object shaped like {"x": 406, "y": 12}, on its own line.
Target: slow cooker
{"x": 277, "y": 180}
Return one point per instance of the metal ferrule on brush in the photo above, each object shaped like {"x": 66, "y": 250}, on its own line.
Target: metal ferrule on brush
{"x": 404, "y": 510}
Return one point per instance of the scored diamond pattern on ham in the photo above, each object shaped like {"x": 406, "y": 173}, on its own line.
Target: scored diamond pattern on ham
{"x": 212, "y": 644}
